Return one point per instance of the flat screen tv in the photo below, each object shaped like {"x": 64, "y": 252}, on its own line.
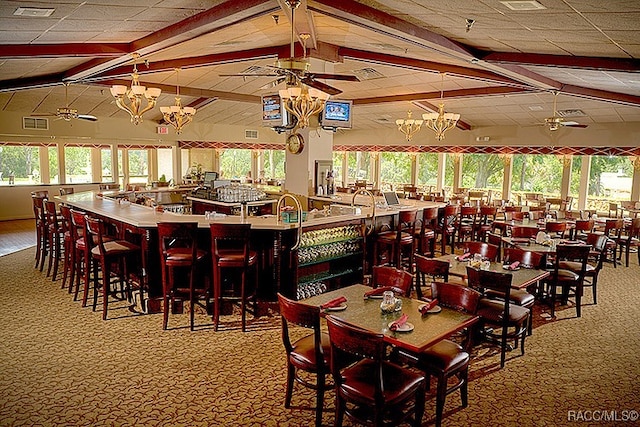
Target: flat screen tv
{"x": 209, "y": 177}
{"x": 273, "y": 113}
{"x": 337, "y": 114}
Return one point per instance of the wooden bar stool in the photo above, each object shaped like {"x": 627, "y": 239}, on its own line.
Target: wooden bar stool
{"x": 426, "y": 235}
{"x": 230, "y": 250}
{"x": 81, "y": 255}
{"x": 178, "y": 244}
{"x": 41, "y": 231}
{"x": 54, "y": 235}
{"x": 69, "y": 249}
{"x": 396, "y": 240}
{"x": 107, "y": 252}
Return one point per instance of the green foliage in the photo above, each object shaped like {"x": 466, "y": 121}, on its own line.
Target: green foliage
{"x": 234, "y": 163}
{"x": 19, "y": 160}
{"x": 273, "y": 163}
{"x": 427, "y": 168}
{"x": 482, "y": 171}
{"x": 537, "y": 173}
{"x": 395, "y": 168}
{"x": 359, "y": 164}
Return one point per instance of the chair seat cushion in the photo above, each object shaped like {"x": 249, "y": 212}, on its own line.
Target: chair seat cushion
{"x": 445, "y": 356}
{"x": 390, "y": 238}
{"x": 235, "y": 258}
{"x": 176, "y": 257}
{"x": 575, "y": 266}
{"x": 519, "y": 297}
{"x": 357, "y": 382}
{"x": 492, "y": 311}
{"x": 116, "y": 247}
{"x": 303, "y": 354}
{"x": 567, "y": 275}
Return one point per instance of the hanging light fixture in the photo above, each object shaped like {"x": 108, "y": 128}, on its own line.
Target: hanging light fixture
{"x": 135, "y": 94}
{"x": 409, "y": 126}
{"x": 177, "y": 115}
{"x": 440, "y": 122}
{"x": 303, "y": 102}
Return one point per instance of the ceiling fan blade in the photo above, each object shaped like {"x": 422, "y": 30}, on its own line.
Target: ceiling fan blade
{"x": 320, "y": 86}
{"x": 250, "y": 75}
{"x": 273, "y": 83}
{"x": 87, "y": 117}
{"x": 574, "y": 125}
{"x": 343, "y": 77}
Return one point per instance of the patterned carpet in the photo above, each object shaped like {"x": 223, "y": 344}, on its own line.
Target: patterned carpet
{"x": 61, "y": 365}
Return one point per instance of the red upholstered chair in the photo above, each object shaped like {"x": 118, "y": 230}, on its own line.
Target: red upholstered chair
{"x": 445, "y": 228}
{"x": 484, "y": 221}
{"x": 556, "y": 229}
{"x": 310, "y": 353}
{"x": 510, "y": 320}
{"x": 399, "y": 280}
{"x": 104, "y": 254}
{"x": 524, "y": 231}
{"x": 179, "y": 252}
{"x": 466, "y": 223}
{"x": 69, "y": 250}
{"x": 230, "y": 251}
{"x": 447, "y": 359}
{"x": 487, "y": 250}
{"x": 429, "y": 270}
{"x": 371, "y": 391}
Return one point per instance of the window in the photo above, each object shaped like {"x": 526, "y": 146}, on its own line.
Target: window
{"x": 20, "y": 164}
{"x": 165, "y": 163}
{"x": 106, "y": 165}
{"x": 610, "y": 179}
{"x": 359, "y": 166}
{"x": 537, "y": 173}
{"x": 395, "y": 169}
{"x": 77, "y": 164}
{"x": 138, "y": 169}
{"x": 235, "y": 163}
{"x": 273, "y": 164}
{"x": 54, "y": 174}
{"x": 427, "y": 168}
{"x": 482, "y": 171}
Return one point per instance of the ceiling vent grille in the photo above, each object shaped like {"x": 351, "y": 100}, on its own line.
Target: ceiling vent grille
{"x": 36, "y": 123}
{"x": 257, "y": 69}
{"x": 35, "y": 12}
{"x": 250, "y": 134}
{"x": 571, "y": 113}
{"x": 368, "y": 74}
{"x": 523, "y": 5}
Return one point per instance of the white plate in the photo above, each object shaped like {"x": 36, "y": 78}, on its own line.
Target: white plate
{"x": 376, "y": 296}
{"x": 433, "y": 310}
{"x": 407, "y": 327}
{"x": 506, "y": 267}
{"x": 340, "y": 307}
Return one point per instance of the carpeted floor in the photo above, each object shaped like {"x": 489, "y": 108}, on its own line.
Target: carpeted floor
{"x": 61, "y": 365}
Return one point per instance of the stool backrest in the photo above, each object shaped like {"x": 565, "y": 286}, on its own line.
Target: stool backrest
{"x": 400, "y": 280}
{"x": 177, "y": 235}
{"x": 226, "y": 237}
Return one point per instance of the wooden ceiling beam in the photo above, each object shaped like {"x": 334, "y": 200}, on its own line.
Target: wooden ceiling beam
{"x": 64, "y": 50}
{"x": 460, "y": 93}
{"x": 601, "y": 95}
{"x": 581, "y": 62}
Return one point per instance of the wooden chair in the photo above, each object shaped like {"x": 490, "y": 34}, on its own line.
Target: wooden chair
{"x": 511, "y": 320}
{"x": 55, "y": 235}
{"x": 568, "y": 279}
{"x": 598, "y": 243}
{"x": 371, "y": 391}
{"x": 399, "y": 240}
{"x": 41, "y": 228}
{"x": 69, "y": 250}
{"x": 524, "y": 231}
{"x": 447, "y": 359}
{"x": 105, "y": 253}
{"x": 426, "y": 236}
{"x": 66, "y": 190}
{"x": 556, "y": 229}
{"x": 484, "y": 221}
{"x": 613, "y": 230}
{"x": 630, "y": 240}
{"x": 496, "y": 240}
{"x": 582, "y": 228}
{"x": 310, "y": 353}
{"x": 429, "y": 270}
{"x": 82, "y": 254}
{"x": 487, "y": 250}
{"x": 465, "y": 223}
{"x": 230, "y": 251}
{"x": 178, "y": 247}
{"x": 446, "y": 229}
{"x": 397, "y": 279}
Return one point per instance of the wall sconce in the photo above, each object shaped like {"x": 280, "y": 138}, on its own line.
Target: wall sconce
{"x": 456, "y": 157}
{"x": 506, "y": 158}
{"x": 565, "y": 160}
{"x": 635, "y": 161}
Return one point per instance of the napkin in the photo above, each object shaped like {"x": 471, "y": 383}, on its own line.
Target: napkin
{"x": 398, "y": 323}
{"x": 428, "y": 306}
{"x": 463, "y": 256}
{"x": 377, "y": 291}
{"x": 336, "y": 302}
{"x": 513, "y": 265}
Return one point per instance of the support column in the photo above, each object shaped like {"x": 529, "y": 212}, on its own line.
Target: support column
{"x": 566, "y": 176}
{"x": 176, "y": 164}
{"x": 376, "y": 164}
{"x": 584, "y": 182}
{"x": 45, "y": 174}
{"x": 635, "y": 183}
{"x": 300, "y": 168}
{"x": 152, "y": 165}
{"x": 96, "y": 164}
{"x": 442, "y": 163}
{"x": 62, "y": 175}
{"x": 414, "y": 168}
{"x": 115, "y": 170}
{"x": 345, "y": 169}
{"x": 457, "y": 170}
{"x": 507, "y": 161}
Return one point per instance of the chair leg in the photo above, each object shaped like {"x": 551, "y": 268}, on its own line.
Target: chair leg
{"x": 441, "y": 395}
{"x": 319, "y": 399}
{"x": 464, "y": 388}
{"x": 106, "y": 279}
{"x": 291, "y": 372}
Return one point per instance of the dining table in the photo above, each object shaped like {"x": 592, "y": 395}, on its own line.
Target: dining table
{"x": 528, "y": 244}
{"x": 522, "y": 277}
{"x": 421, "y": 331}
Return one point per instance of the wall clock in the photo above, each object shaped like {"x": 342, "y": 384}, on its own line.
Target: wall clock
{"x": 295, "y": 143}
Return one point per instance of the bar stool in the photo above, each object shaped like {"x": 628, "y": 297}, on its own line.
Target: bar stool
{"x": 81, "y": 255}
{"x": 178, "y": 244}
{"x": 446, "y": 228}
{"x": 106, "y": 252}
{"x": 54, "y": 235}
{"x": 230, "y": 250}
{"x": 427, "y": 235}
{"x": 68, "y": 244}
{"x": 396, "y": 240}
{"x": 41, "y": 230}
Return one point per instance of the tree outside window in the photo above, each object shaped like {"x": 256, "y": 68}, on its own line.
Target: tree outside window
{"x": 610, "y": 179}
{"x": 20, "y": 163}
{"x": 77, "y": 164}
{"x": 427, "y": 169}
{"x": 235, "y": 163}
{"x": 537, "y": 173}
{"x": 395, "y": 169}
{"x": 359, "y": 164}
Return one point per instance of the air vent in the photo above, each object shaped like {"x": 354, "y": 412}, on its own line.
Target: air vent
{"x": 536, "y": 107}
{"x": 250, "y": 134}
{"x": 36, "y": 123}
{"x": 257, "y": 69}
{"x": 571, "y": 113}
{"x": 368, "y": 74}
{"x": 386, "y": 46}
{"x": 523, "y": 5}
{"x": 35, "y": 12}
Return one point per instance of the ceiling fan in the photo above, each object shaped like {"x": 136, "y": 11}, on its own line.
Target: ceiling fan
{"x": 66, "y": 113}
{"x": 556, "y": 121}
{"x": 294, "y": 70}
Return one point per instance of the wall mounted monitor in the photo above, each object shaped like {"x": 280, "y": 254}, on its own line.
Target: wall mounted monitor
{"x": 273, "y": 113}
{"x": 337, "y": 114}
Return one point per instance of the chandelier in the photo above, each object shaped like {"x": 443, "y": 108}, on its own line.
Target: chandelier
{"x": 303, "y": 102}
{"x": 440, "y": 122}
{"x": 409, "y": 126}
{"x": 177, "y": 115}
{"x": 134, "y": 95}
